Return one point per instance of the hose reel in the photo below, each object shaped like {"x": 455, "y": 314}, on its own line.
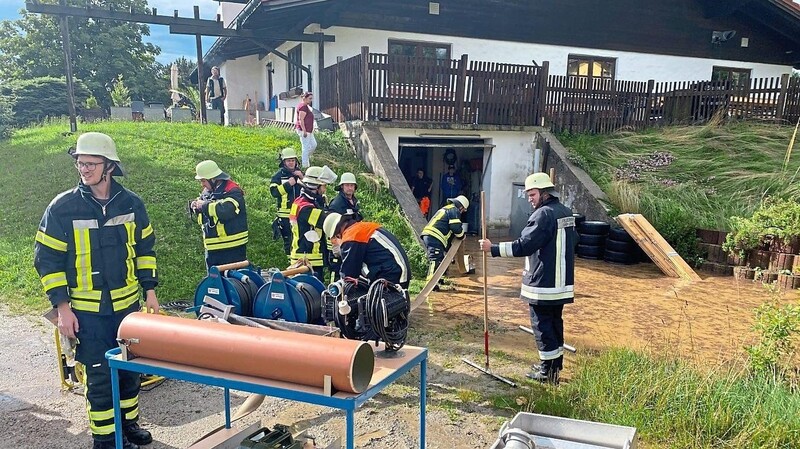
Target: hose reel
{"x": 367, "y": 312}
{"x": 269, "y": 294}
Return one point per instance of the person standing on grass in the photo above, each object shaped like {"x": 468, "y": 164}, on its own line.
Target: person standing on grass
{"x": 94, "y": 255}
{"x": 306, "y": 217}
{"x": 285, "y": 187}
{"x": 548, "y": 243}
{"x": 222, "y": 214}
{"x": 216, "y": 92}
{"x": 345, "y": 204}
{"x": 305, "y": 127}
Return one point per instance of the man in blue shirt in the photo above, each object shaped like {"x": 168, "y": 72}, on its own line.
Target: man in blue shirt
{"x": 449, "y": 185}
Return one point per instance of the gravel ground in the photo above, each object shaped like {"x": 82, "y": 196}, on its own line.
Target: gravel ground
{"x": 36, "y": 413}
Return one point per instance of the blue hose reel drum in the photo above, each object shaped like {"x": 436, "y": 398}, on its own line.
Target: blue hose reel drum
{"x": 297, "y": 299}
{"x": 232, "y": 287}
{"x": 270, "y": 294}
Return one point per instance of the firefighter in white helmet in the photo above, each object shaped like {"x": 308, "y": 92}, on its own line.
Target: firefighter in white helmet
{"x": 306, "y": 218}
{"x": 94, "y": 254}
{"x": 285, "y": 187}
{"x": 441, "y": 230}
{"x": 345, "y": 204}
{"x": 368, "y": 250}
{"x": 548, "y": 244}
{"x": 221, "y": 212}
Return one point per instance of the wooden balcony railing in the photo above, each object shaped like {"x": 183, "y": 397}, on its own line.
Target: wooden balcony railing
{"x": 372, "y": 86}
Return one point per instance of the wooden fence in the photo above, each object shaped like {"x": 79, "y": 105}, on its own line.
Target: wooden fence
{"x": 341, "y": 94}
{"x": 601, "y": 106}
{"x": 578, "y": 104}
{"x": 384, "y": 87}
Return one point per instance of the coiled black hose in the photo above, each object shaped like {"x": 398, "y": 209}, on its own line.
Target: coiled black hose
{"x": 395, "y": 335}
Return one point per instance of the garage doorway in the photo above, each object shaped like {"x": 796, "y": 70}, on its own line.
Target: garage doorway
{"x": 434, "y": 155}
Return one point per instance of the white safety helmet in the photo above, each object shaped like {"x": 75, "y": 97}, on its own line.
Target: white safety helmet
{"x": 330, "y": 223}
{"x": 99, "y": 144}
{"x": 209, "y": 169}
{"x": 540, "y": 181}
{"x": 347, "y": 178}
{"x": 315, "y": 176}
{"x": 460, "y": 201}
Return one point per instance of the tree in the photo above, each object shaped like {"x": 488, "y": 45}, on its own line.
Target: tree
{"x": 101, "y": 51}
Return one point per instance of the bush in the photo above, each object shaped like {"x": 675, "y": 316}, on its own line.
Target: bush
{"x": 774, "y": 219}
{"x": 39, "y": 98}
{"x": 91, "y": 102}
{"x": 120, "y": 95}
{"x": 6, "y": 116}
{"x": 777, "y": 326}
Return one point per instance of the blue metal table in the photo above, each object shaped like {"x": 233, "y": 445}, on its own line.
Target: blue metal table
{"x": 387, "y": 370}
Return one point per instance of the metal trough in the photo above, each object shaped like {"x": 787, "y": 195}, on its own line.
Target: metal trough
{"x": 551, "y": 432}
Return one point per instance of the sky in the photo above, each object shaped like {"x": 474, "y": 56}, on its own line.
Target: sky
{"x": 172, "y": 46}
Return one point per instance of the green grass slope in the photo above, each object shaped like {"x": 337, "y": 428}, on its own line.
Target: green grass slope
{"x": 716, "y": 170}
{"x": 686, "y": 177}
{"x": 159, "y": 159}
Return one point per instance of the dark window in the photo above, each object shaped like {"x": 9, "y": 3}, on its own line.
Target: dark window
{"x": 591, "y": 67}
{"x": 294, "y": 75}
{"x": 404, "y": 58}
{"x": 736, "y": 77}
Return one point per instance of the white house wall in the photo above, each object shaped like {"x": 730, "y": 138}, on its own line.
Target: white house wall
{"x": 630, "y": 66}
{"x": 511, "y": 161}
{"x": 279, "y": 78}
{"x": 228, "y": 11}
{"x": 244, "y": 77}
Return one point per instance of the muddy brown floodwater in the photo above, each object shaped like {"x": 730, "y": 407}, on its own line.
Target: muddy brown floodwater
{"x": 634, "y": 306}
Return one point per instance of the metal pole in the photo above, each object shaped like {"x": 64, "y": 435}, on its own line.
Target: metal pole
{"x": 64, "y": 25}
{"x": 201, "y": 86}
{"x": 485, "y": 287}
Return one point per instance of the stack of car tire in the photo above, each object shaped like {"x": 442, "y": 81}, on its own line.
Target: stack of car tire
{"x": 591, "y": 239}
{"x": 598, "y": 240}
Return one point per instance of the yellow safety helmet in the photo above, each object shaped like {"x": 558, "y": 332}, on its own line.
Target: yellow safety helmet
{"x": 538, "y": 181}
{"x": 330, "y": 223}
{"x": 209, "y": 169}
{"x": 460, "y": 201}
{"x": 288, "y": 153}
{"x": 98, "y": 144}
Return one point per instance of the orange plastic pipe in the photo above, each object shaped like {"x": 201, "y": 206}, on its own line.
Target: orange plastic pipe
{"x": 269, "y": 354}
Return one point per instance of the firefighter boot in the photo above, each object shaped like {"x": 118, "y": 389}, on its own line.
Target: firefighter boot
{"x": 557, "y": 363}
{"x": 111, "y": 445}
{"x": 136, "y": 434}
{"x": 547, "y": 373}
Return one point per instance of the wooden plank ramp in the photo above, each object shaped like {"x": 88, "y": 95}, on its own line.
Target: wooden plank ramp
{"x": 656, "y": 247}
{"x": 455, "y": 248}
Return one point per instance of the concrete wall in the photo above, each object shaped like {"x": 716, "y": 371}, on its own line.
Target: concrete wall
{"x": 578, "y": 190}
{"x": 630, "y": 66}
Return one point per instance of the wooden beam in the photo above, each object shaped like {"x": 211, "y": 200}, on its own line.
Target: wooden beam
{"x": 248, "y": 33}
{"x": 200, "y": 84}
{"x": 110, "y": 14}
{"x": 73, "y": 121}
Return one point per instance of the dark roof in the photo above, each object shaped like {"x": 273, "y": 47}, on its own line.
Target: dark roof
{"x": 273, "y": 18}
{"x": 276, "y": 18}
